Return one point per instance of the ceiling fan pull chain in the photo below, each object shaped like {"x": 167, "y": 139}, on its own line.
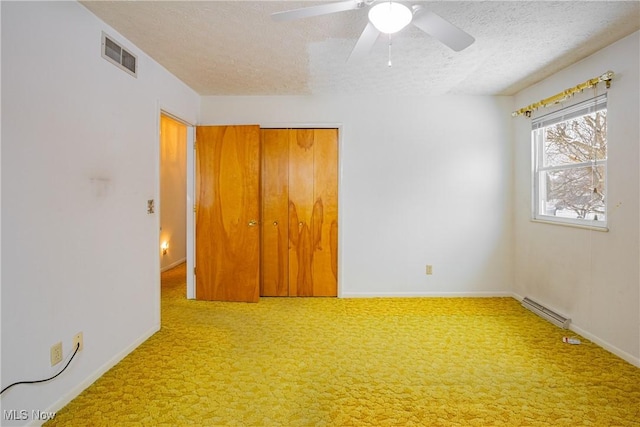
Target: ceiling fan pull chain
{"x": 389, "y": 63}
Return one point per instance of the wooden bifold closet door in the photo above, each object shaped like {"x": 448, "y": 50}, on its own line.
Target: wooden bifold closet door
{"x": 299, "y": 212}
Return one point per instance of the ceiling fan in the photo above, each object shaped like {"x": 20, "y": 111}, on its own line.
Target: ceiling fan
{"x": 388, "y": 17}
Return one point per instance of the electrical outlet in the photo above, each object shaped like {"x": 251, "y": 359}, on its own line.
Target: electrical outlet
{"x": 77, "y": 339}
{"x": 56, "y": 354}
{"x": 429, "y": 269}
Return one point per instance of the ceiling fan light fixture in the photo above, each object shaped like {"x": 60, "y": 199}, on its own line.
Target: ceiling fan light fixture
{"x": 390, "y": 17}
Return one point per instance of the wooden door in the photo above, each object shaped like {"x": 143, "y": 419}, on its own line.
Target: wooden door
{"x": 227, "y": 213}
{"x": 275, "y": 212}
{"x": 324, "y": 219}
{"x": 300, "y": 211}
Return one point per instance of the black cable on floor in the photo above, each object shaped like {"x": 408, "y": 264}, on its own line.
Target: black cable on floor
{"x": 48, "y": 379}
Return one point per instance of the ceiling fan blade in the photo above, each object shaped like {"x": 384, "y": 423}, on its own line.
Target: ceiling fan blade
{"x": 365, "y": 42}
{"x": 323, "y": 9}
{"x": 440, "y": 28}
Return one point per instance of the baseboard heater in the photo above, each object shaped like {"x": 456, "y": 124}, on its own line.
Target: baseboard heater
{"x": 545, "y": 313}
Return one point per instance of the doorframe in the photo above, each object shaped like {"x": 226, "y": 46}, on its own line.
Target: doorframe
{"x": 189, "y": 202}
{"x": 323, "y": 125}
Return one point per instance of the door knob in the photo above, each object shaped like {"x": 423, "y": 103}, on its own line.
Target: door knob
{"x": 253, "y": 223}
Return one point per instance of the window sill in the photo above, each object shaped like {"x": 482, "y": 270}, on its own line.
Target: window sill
{"x": 570, "y": 224}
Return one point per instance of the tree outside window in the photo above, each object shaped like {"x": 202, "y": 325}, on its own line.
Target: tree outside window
{"x": 570, "y": 148}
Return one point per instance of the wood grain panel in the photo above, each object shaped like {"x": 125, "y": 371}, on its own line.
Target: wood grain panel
{"x": 275, "y": 212}
{"x": 325, "y": 224}
{"x": 227, "y": 200}
{"x": 301, "y": 155}
{"x": 300, "y": 193}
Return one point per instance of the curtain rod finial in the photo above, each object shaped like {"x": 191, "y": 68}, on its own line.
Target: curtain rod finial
{"x": 607, "y": 76}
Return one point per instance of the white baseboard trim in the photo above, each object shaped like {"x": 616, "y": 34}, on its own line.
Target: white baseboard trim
{"x": 517, "y": 296}
{"x": 607, "y": 346}
{"x": 594, "y": 339}
{"x": 173, "y": 264}
{"x": 492, "y": 294}
{"x": 74, "y": 392}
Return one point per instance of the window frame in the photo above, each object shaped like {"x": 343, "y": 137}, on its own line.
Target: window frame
{"x": 538, "y": 125}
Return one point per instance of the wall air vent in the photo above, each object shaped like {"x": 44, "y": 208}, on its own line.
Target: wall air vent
{"x": 119, "y": 56}
{"x": 545, "y": 313}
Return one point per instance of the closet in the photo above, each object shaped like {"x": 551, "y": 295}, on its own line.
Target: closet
{"x": 299, "y": 212}
{"x": 266, "y": 212}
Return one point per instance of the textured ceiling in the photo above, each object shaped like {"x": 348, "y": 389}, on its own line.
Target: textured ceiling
{"x": 234, "y": 48}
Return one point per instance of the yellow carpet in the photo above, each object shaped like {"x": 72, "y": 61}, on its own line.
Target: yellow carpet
{"x": 358, "y": 362}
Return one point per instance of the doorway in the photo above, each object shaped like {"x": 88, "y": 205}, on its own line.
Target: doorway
{"x": 173, "y": 192}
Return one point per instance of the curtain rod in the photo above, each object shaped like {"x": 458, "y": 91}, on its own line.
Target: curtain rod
{"x": 606, "y": 77}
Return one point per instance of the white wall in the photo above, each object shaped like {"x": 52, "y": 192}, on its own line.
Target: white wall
{"x": 80, "y": 156}
{"x": 423, "y": 181}
{"x": 593, "y": 277}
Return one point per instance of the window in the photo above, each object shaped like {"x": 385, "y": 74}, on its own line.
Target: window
{"x": 570, "y": 164}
